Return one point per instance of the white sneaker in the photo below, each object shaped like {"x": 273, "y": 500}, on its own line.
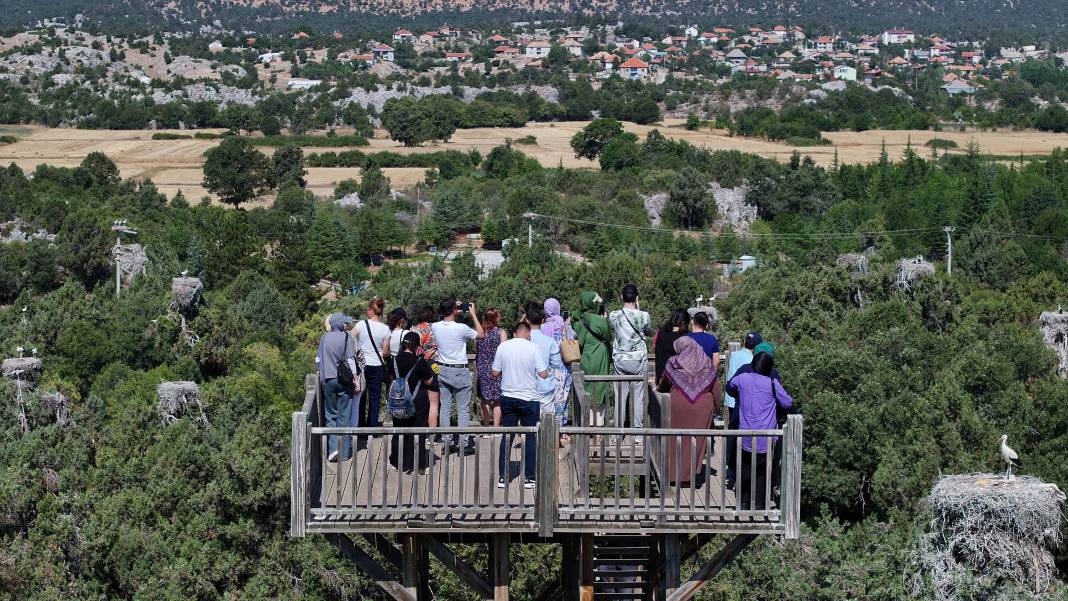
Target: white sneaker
{"x": 333, "y": 457}
{"x": 500, "y": 483}
{"x": 528, "y": 484}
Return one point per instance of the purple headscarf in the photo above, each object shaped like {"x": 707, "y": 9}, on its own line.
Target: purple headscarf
{"x": 554, "y": 323}
{"x": 690, "y": 371}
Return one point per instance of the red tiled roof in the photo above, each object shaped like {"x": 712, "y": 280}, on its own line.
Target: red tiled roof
{"x": 634, "y": 63}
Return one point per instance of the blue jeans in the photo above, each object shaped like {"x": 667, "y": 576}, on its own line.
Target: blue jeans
{"x": 337, "y": 409}
{"x": 516, "y": 412}
{"x": 371, "y": 404}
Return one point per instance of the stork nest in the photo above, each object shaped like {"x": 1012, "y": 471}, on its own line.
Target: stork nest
{"x": 912, "y": 270}
{"x": 713, "y": 314}
{"x": 186, "y": 291}
{"x": 990, "y": 538}
{"x": 22, "y": 369}
{"x": 854, "y": 262}
{"x": 177, "y": 399}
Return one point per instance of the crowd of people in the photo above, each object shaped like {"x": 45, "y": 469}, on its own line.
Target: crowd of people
{"x": 522, "y": 375}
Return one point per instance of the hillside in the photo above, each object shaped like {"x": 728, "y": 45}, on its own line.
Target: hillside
{"x": 978, "y": 15}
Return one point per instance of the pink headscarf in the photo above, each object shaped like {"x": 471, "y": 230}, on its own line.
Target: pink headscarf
{"x": 690, "y": 371}
{"x": 554, "y": 323}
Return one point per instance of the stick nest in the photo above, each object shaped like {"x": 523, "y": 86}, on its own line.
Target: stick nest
{"x": 22, "y": 369}
{"x": 854, "y": 262}
{"x": 186, "y": 291}
{"x": 989, "y": 538}
{"x": 912, "y": 270}
{"x": 177, "y": 399}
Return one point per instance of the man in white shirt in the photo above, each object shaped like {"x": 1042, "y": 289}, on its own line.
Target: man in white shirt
{"x": 454, "y": 377}
{"x": 521, "y": 367}
{"x": 630, "y": 355}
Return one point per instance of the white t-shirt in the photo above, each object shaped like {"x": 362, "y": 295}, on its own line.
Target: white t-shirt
{"x": 379, "y": 332}
{"x": 519, "y": 362}
{"x": 395, "y": 338}
{"x": 452, "y": 337}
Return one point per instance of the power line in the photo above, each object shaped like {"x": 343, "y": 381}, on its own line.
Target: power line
{"x": 813, "y": 235}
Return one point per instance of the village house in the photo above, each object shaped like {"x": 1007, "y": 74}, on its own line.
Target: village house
{"x": 634, "y": 68}
{"x": 573, "y": 47}
{"x": 845, "y": 73}
{"x": 691, "y": 31}
{"x": 898, "y": 36}
{"x": 215, "y": 47}
{"x": 505, "y": 52}
{"x": 537, "y": 49}
{"x": 270, "y": 57}
{"x": 736, "y": 57}
{"x": 383, "y": 52}
{"x": 959, "y": 86}
{"x": 454, "y": 57}
{"x": 606, "y": 61}
{"x": 402, "y": 35}
{"x": 824, "y": 44}
{"x": 429, "y": 38}
{"x": 302, "y": 84}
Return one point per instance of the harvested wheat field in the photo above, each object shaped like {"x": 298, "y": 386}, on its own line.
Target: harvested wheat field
{"x": 176, "y": 164}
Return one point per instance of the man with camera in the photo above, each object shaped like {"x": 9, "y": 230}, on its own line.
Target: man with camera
{"x": 454, "y": 376}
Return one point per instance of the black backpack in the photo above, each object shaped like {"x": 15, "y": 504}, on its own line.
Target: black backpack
{"x": 345, "y": 377}
{"x": 400, "y": 401}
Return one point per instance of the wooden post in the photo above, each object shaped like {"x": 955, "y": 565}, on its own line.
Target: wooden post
{"x": 502, "y": 577}
{"x": 411, "y": 555}
{"x": 790, "y": 487}
{"x": 545, "y": 510}
{"x": 586, "y": 567}
{"x": 298, "y": 475}
{"x": 569, "y": 575}
{"x": 672, "y": 555}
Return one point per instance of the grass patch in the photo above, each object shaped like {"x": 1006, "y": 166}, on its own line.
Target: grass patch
{"x": 940, "y": 143}
{"x": 8, "y": 139}
{"x": 528, "y": 140}
{"x": 206, "y": 135}
{"x": 166, "y": 135}
{"x": 802, "y": 141}
{"x": 323, "y": 141}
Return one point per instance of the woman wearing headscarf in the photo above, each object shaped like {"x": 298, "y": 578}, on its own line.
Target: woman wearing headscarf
{"x": 557, "y": 328}
{"x": 664, "y": 341}
{"x": 594, "y": 337}
{"x": 690, "y": 375}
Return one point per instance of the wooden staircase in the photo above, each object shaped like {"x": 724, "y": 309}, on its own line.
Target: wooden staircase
{"x": 623, "y": 567}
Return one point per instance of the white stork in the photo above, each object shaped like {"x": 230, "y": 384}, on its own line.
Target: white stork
{"x": 1010, "y": 457}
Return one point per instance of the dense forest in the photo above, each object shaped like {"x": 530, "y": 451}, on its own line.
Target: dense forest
{"x": 105, "y": 499}
{"x": 1019, "y": 18}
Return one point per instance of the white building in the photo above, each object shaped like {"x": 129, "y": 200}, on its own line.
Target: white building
{"x": 302, "y": 84}
{"x": 270, "y": 57}
{"x": 537, "y": 49}
{"x": 634, "y": 68}
{"x": 383, "y": 52}
{"x": 845, "y": 73}
{"x": 898, "y": 36}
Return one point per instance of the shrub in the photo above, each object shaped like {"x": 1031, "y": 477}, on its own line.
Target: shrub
{"x": 940, "y": 143}
{"x": 166, "y": 135}
{"x": 803, "y": 141}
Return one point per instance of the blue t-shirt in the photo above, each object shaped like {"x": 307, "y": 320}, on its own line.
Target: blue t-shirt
{"x": 707, "y": 341}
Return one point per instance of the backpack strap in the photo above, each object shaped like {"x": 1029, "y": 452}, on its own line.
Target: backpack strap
{"x": 636, "y": 330}
{"x": 367, "y": 324}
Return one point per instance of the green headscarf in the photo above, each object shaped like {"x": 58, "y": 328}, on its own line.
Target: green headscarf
{"x": 765, "y": 347}
{"x": 589, "y": 302}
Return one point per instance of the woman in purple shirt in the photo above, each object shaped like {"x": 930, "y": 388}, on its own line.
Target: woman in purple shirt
{"x": 759, "y": 395}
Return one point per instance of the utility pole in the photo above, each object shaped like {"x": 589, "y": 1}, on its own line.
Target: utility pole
{"x": 119, "y": 227}
{"x": 949, "y": 249}
{"x": 530, "y": 229}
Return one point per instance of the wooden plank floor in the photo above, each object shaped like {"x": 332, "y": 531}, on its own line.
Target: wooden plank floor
{"x": 461, "y": 490}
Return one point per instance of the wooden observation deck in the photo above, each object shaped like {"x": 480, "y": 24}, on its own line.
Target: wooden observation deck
{"x": 621, "y": 500}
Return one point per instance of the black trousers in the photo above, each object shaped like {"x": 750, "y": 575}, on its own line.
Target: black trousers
{"x": 411, "y": 442}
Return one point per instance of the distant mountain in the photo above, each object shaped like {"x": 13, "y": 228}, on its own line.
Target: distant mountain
{"x": 941, "y": 15}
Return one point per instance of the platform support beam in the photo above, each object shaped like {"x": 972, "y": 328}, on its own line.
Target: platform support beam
{"x": 502, "y": 572}
{"x": 415, "y": 566}
{"x": 465, "y": 572}
{"x": 585, "y": 567}
{"x": 721, "y": 560}
{"x": 371, "y": 568}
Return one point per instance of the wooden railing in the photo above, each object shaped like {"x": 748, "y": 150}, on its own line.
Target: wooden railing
{"x": 608, "y": 479}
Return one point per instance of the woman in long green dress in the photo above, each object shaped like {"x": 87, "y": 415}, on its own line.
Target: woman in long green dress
{"x": 594, "y": 337}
